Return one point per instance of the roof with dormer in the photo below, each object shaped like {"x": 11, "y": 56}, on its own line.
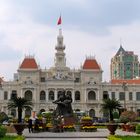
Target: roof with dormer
{"x": 91, "y": 63}
{"x": 29, "y": 62}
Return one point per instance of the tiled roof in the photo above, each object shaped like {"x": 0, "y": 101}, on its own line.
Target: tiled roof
{"x": 131, "y": 81}
{"x": 29, "y": 63}
{"x": 91, "y": 64}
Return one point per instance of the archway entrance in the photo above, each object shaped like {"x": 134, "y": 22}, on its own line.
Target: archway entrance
{"x": 92, "y": 113}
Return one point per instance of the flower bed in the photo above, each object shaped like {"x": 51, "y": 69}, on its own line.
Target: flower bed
{"x": 70, "y": 128}
{"x": 86, "y": 121}
{"x": 91, "y": 128}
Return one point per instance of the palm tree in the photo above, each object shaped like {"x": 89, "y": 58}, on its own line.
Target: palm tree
{"x": 19, "y": 103}
{"x": 111, "y": 105}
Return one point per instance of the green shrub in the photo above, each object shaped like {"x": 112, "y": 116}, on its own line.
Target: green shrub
{"x": 116, "y": 115}
{"x": 2, "y": 131}
{"x": 138, "y": 129}
{"x": 3, "y": 117}
{"x": 138, "y": 119}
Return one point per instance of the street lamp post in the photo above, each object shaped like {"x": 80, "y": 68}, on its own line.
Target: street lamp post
{"x": 124, "y": 86}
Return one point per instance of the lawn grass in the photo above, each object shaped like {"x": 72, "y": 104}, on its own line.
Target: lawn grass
{"x": 12, "y": 138}
{"x": 129, "y": 137}
{"x": 118, "y": 137}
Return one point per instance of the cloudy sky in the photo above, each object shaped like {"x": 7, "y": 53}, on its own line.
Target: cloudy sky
{"x": 90, "y": 28}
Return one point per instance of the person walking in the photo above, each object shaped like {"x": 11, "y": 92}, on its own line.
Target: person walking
{"x": 30, "y": 126}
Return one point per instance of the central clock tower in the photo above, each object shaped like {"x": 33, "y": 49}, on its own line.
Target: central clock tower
{"x": 60, "y": 60}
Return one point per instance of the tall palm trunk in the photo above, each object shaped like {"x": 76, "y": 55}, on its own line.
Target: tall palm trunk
{"x": 111, "y": 115}
{"x": 19, "y": 115}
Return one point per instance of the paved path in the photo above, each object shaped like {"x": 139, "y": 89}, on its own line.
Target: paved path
{"x": 66, "y": 139}
{"x": 101, "y": 134}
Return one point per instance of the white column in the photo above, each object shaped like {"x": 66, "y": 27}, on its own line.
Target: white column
{"x": 86, "y": 96}
{"x": 46, "y": 91}
{"x": 134, "y": 96}
{"x": 34, "y": 95}
{"x": 9, "y": 95}
{"x": 98, "y": 95}
{"x": 73, "y": 99}
{"x": 21, "y": 93}
{"x": 126, "y": 95}
{"x": 55, "y": 94}
{"x": 117, "y": 95}
{"x": 109, "y": 93}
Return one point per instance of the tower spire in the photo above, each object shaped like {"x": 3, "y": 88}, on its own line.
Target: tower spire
{"x": 120, "y": 42}
{"x": 60, "y": 60}
{"x": 60, "y": 45}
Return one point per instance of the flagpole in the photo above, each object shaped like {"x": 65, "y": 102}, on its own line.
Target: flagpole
{"x": 59, "y": 22}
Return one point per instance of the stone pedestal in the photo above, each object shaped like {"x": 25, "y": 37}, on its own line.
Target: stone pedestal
{"x": 69, "y": 120}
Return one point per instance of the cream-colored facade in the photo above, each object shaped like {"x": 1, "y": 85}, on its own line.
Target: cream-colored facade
{"x": 85, "y": 85}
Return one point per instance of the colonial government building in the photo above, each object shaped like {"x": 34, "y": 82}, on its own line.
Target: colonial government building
{"x": 84, "y": 85}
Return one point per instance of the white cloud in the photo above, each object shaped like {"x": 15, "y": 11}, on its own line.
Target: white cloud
{"x": 19, "y": 32}
{"x": 40, "y": 40}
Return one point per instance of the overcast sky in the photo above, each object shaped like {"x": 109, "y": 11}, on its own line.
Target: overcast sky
{"x": 90, "y": 28}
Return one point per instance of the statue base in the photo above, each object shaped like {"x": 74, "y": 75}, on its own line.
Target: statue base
{"x": 70, "y": 120}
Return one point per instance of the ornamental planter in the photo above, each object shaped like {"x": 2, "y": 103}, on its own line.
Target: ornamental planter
{"x": 127, "y": 127}
{"x": 19, "y": 127}
{"x": 123, "y": 127}
{"x": 112, "y": 128}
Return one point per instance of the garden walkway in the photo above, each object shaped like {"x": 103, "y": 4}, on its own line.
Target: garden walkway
{"x": 101, "y": 134}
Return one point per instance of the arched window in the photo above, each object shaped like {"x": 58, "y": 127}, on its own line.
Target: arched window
{"x": 13, "y": 112}
{"x": 28, "y": 95}
{"x": 77, "y": 110}
{"x": 13, "y": 94}
{"x": 5, "y": 95}
{"x": 42, "y": 95}
{"x": 77, "y": 96}
{"x": 105, "y": 95}
{"x": 137, "y": 96}
{"x": 41, "y": 110}
{"x": 92, "y": 113}
{"x": 58, "y": 94}
{"x": 27, "y": 112}
{"x": 91, "y": 95}
{"x": 69, "y": 93}
{"x": 51, "y": 95}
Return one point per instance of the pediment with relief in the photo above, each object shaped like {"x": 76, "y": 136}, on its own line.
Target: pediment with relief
{"x": 59, "y": 75}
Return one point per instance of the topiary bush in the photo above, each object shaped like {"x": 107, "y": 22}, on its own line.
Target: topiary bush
{"x": 2, "y": 131}
{"x": 138, "y": 129}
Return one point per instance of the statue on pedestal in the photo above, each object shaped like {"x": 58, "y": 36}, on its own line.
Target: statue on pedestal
{"x": 63, "y": 105}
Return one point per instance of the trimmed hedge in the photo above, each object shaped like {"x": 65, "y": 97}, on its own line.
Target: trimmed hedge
{"x": 2, "y": 131}
{"x": 138, "y": 129}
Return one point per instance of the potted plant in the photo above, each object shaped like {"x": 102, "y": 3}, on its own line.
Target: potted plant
{"x": 19, "y": 103}
{"x": 111, "y": 105}
{"x": 127, "y": 117}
